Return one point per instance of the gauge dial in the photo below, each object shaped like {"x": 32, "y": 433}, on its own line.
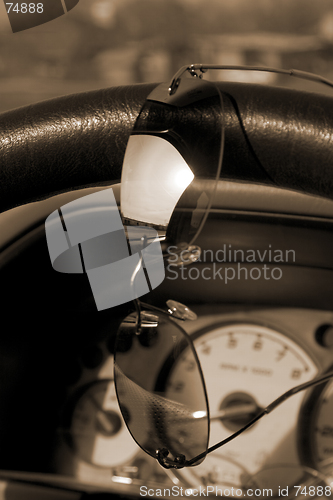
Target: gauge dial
{"x": 245, "y": 367}
{"x": 317, "y": 429}
{"x": 323, "y": 434}
{"x": 97, "y": 431}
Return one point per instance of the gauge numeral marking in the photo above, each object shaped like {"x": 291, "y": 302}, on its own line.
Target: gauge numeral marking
{"x": 232, "y": 342}
{"x": 326, "y": 431}
{"x": 206, "y": 349}
{"x": 296, "y": 373}
{"x": 177, "y": 386}
{"x": 258, "y": 345}
{"x": 188, "y": 364}
{"x": 281, "y": 354}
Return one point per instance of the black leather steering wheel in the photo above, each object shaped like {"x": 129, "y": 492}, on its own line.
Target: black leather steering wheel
{"x": 273, "y": 135}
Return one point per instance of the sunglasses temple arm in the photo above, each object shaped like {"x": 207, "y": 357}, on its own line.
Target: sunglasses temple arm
{"x": 268, "y": 409}
{"x": 225, "y": 441}
{"x": 297, "y": 389}
{"x": 205, "y": 67}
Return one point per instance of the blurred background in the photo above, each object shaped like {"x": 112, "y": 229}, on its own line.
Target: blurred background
{"x": 103, "y": 43}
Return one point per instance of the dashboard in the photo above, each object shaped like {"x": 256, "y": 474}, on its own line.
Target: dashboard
{"x": 60, "y": 422}
{"x": 248, "y": 359}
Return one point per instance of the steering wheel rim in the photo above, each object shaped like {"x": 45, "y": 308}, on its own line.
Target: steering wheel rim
{"x": 274, "y": 136}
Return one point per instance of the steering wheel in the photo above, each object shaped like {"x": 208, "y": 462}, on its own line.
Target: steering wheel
{"x": 273, "y": 136}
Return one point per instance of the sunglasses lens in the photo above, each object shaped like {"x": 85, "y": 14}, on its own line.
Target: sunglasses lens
{"x": 160, "y": 388}
{"x": 173, "y": 160}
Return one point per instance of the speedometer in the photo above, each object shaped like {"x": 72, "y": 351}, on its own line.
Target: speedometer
{"x": 97, "y": 433}
{"x": 245, "y": 367}
{"x": 317, "y": 429}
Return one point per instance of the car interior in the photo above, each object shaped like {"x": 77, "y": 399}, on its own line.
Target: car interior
{"x": 261, "y": 293}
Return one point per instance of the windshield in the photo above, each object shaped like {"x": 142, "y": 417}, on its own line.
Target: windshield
{"x": 103, "y": 43}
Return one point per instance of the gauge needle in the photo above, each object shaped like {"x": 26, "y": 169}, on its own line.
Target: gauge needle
{"x": 235, "y": 411}
{"x": 105, "y": 422}
{"x": 246, "y": 409}
{"x": 96, "y": 403}
{"x": 104, "y": 418}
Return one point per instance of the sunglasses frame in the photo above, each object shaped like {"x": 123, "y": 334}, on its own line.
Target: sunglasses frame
{"x": 197, "y": 70}
{"x": 166, "y": 94}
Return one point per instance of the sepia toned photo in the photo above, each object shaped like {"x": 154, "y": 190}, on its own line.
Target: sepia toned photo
{"x": 166, "y": 256}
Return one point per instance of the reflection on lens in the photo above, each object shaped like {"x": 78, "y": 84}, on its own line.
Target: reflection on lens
{"x": 288, "y": 481}
{"x": 154, "y": 176}
{"x": 161, "y": 412}
{"x": 172, "y": 165}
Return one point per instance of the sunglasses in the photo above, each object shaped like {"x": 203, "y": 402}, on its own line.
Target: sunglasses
{"x": 173, "y": 161}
